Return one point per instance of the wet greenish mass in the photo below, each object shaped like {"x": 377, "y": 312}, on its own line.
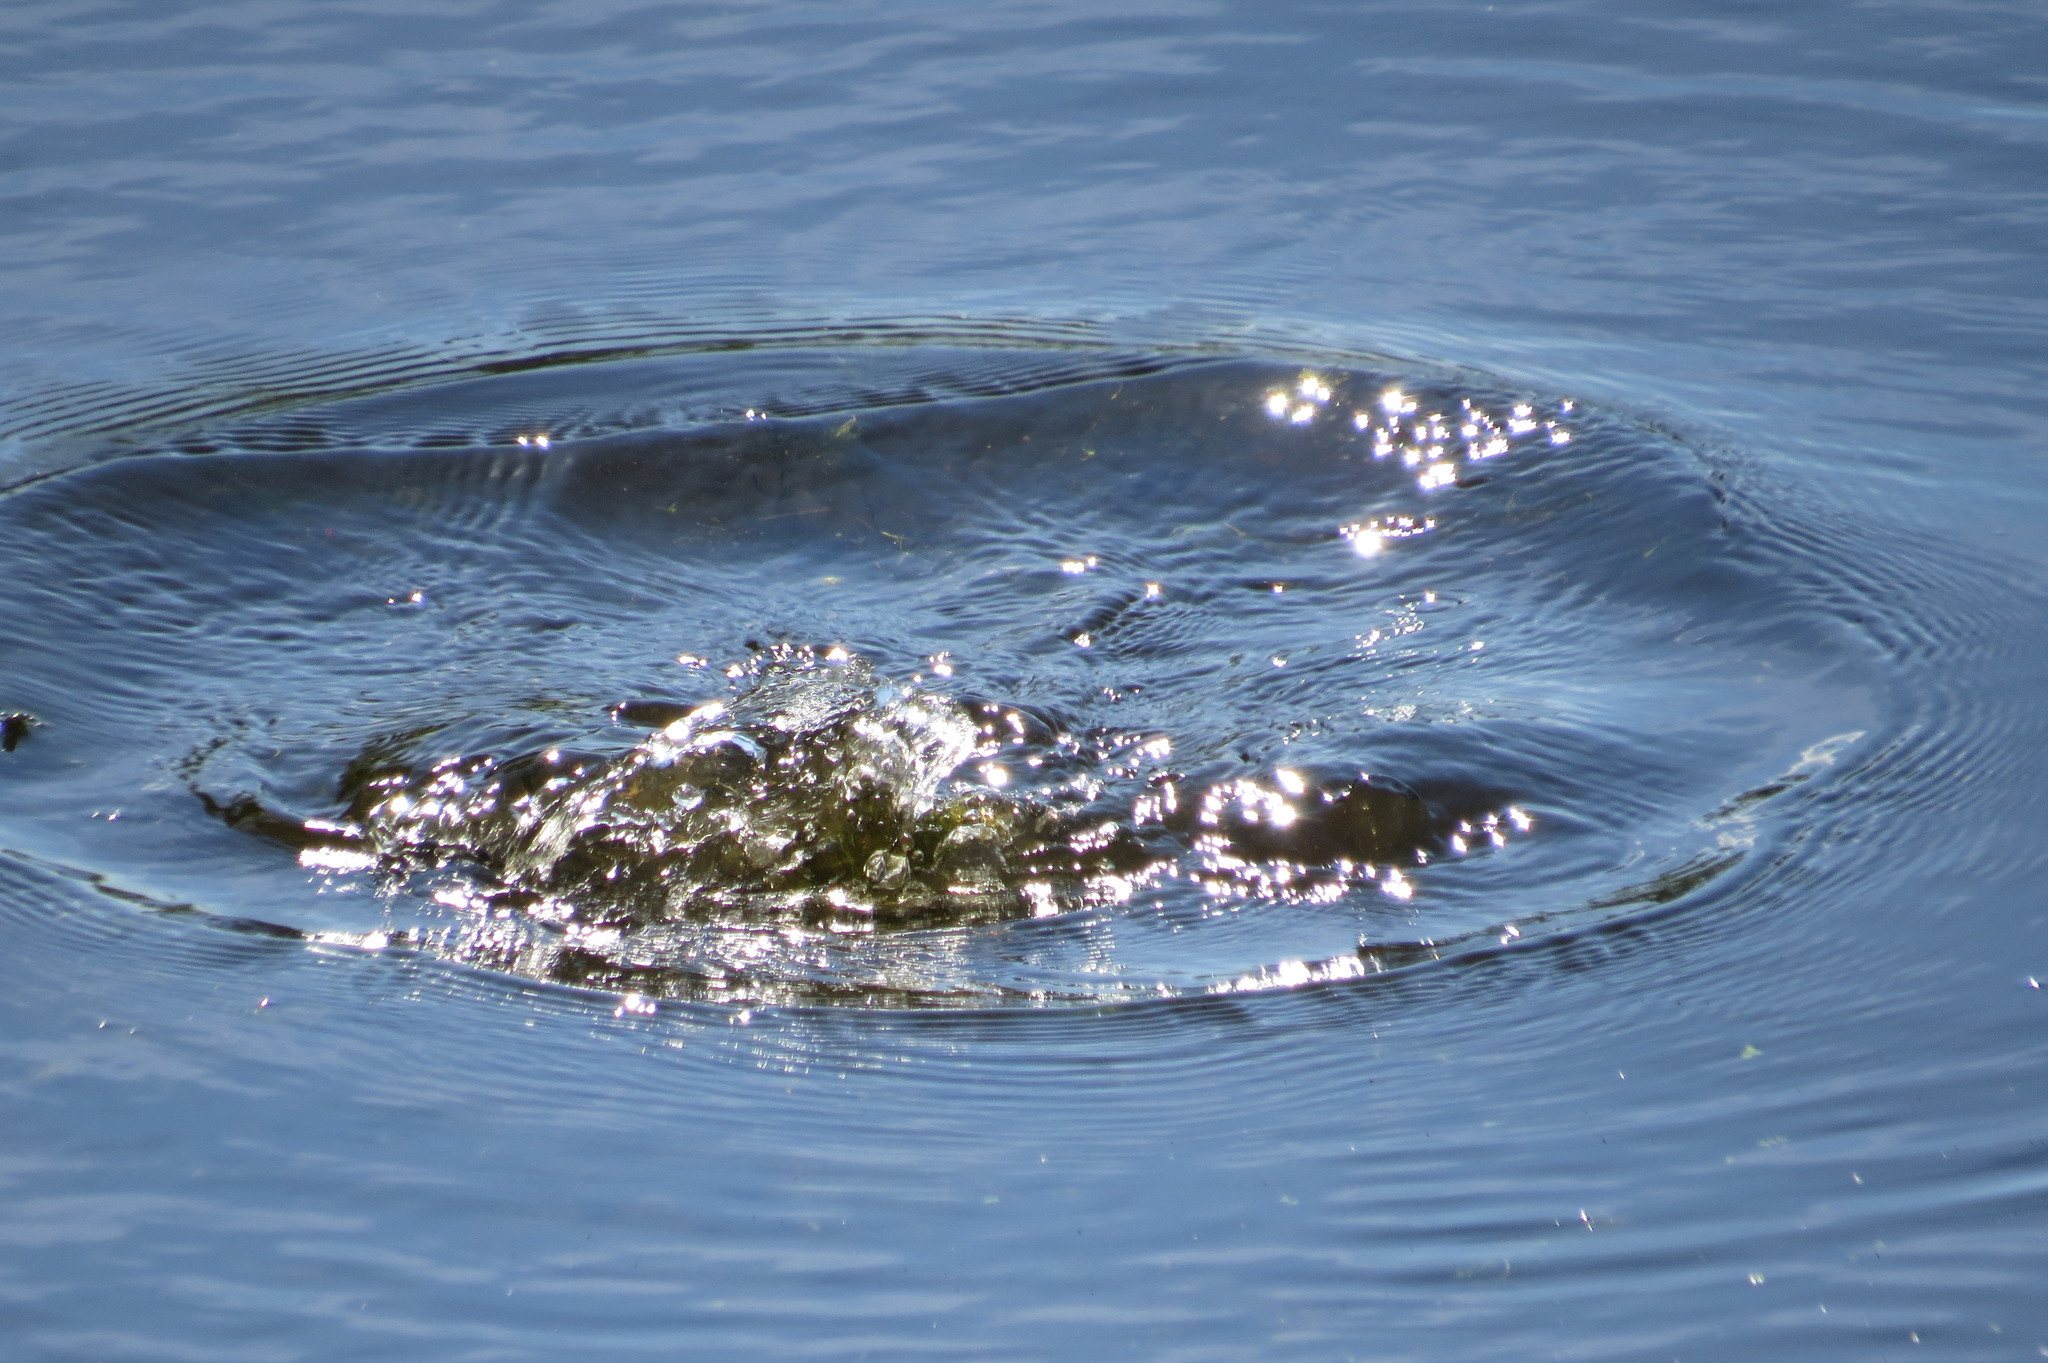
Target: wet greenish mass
{"x": 825, "y": 796}
{"x": 819, "y": 795}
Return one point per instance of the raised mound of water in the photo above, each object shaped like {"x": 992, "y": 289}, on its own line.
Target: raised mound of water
{"x": 1201, "y": 677}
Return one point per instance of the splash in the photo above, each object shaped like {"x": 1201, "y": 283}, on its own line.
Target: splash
{"x": 823, "y": 799}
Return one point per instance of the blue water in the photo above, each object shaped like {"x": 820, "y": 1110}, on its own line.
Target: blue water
{"x": 1789, "y": 261}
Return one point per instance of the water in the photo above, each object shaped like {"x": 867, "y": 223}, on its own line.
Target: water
{"x": 469, "y": 383}
{"x": 1346, "y": 579}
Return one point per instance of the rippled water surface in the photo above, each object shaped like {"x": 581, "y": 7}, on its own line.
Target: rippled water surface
{"x": 1022, "y": 682}
{"x": 1072, "y": 695}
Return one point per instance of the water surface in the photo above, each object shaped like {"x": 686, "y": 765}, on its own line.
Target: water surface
{"x": 428, "y": 386}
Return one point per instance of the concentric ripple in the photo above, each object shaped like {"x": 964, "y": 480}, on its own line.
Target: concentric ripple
{"x": 1193, "y": 677}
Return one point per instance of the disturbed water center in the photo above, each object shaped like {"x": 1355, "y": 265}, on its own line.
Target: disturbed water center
{"x": 1211, "y": 677}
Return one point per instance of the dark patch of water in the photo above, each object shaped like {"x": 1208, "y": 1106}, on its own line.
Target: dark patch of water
{"x": 1205, "y": 584}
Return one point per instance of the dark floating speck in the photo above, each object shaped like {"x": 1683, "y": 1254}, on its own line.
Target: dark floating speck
{"x": 14, "y": 730}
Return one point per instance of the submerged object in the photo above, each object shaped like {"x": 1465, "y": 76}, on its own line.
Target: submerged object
{"x": 827, "y": 797}
{"x": 820, "y": 795}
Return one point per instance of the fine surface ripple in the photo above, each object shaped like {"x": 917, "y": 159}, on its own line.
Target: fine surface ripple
{"x": 1182, "y": 678}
